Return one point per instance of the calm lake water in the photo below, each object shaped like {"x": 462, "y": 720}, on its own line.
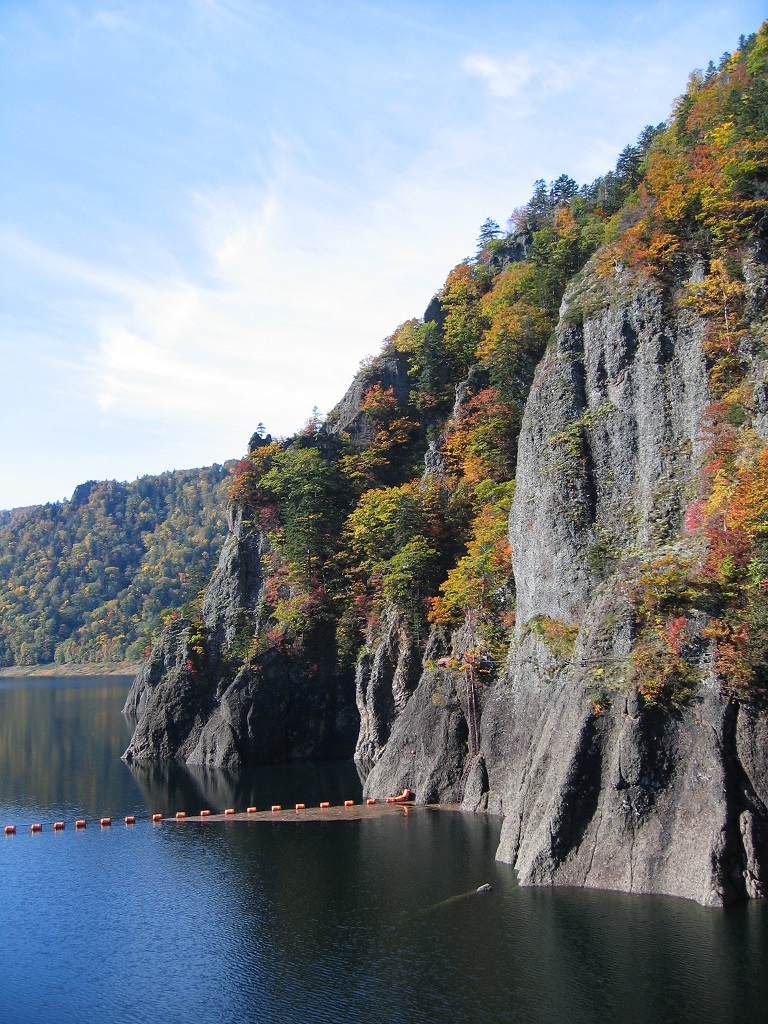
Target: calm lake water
{"x": 329, "y": 921}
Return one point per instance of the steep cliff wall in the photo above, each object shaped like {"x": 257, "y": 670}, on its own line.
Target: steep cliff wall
{"x": 199, "y": 699}
{"x": 596, "y": 789}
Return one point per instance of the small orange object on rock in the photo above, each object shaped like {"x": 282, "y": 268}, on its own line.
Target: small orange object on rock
{"x": 276, "y": 807}
{"x": 324, "y": 804}
{"x": 229, "y": 810}
{"x": 370, "y": 801}
{"x": 205, "y": 814}
{"x": 401, "y": 798}
{"x": 349, "y": 803}
{"x": 250, "y": 810}
{"x": 301, "y": 807}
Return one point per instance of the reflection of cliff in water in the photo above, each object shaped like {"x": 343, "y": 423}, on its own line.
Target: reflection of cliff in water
{"x": 170, "y": 786}
{"x": 60, "y": 746}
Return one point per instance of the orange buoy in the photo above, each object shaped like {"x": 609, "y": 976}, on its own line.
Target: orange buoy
{"x": 203, "y": 814}
{"x": 130, "y": 819}
{"x": 58, "y": 826}
{"x": 389, "y": 800}
{"x": 371, "y": 800}
{"x": 80, "y": 823}
{"x": 10, "y": 830}
{"x": 250, "y": 810}
{"x": 105, "y": 822}
{"x": 349, "y": 803}
{"x": 301, "y": 807}
{"x": 276, "y": 807}
{"x": 229, "y": 810}
{"x": 37, "y": 827}
{"x": 157, "y": 817}
{"x": 181, "y": 814}
{"x": 324, "y": 805}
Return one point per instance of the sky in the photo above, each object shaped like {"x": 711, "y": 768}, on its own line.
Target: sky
{"x": 212, "y": 210}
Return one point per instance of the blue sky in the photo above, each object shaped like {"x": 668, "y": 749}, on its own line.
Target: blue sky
{"x": 212, "y": 210}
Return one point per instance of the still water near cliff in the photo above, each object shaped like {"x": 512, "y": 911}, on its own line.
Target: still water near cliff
{"x": 333, "y": 921}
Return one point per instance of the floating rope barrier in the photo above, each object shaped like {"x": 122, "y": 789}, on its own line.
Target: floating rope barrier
{"x": 81, "y": 824}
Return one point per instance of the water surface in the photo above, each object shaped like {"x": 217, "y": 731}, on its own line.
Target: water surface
{"x": 322, "y": 921}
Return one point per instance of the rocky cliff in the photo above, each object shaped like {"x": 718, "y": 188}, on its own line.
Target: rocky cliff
{"x": 198, "y": 699}
{"x": 596, "y": 789}
{"x": 591, "y": 663}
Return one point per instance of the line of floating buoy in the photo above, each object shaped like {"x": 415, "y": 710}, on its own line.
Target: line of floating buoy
{"x": 157, "y": 817}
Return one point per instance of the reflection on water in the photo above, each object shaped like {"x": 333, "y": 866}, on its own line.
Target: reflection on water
{"x": 168, "y": 787}
{"x": 322, "y": 921}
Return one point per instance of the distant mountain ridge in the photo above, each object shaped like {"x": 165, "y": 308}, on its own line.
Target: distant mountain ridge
{"x": 93, "y": 579}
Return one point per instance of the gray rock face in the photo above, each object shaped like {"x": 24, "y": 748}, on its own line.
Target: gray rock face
{"x": 215, "y": 711}
{"x": 608, "y": 794}
{"x": 608, "y": 444}
{"x": 169, "y": 699}
{"x": 386, "y": 676}
{"x": 389, "y": 371}
{"x": 235, "y": 587}
{"x": 632, "y": 799}
{"x": 427, "y": 746}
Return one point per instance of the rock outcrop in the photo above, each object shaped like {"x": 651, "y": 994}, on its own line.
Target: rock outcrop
{"x": 207, "y": 705}
{"x": 603, "y": 792}
{"x": 596, "y": 789}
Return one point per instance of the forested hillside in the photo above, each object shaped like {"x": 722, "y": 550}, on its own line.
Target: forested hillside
{"x": 95, "y": 578}
{"x": 354, "y": 524}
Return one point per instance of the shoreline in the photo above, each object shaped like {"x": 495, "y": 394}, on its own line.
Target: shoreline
{"x": 90, "y": 668}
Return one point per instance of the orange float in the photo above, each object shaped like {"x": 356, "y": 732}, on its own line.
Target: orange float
{"x": 130, "y": 819}
{"x": 324, "y": 805}
{"x": 80, "y": 823}
{"x": 58, "y": 826}
{"x": 229, "y": 810}
{"x": 157, "y": 817}
{"x": 301, "y": 807}
{"x": 250, "y": 810}
{"x": 105, "y": 822}
{"x": 10, "y": 830}
{"x": 204, "y": 814}
{"x": 370, "y": 801}
{"x": 276, "y": 807}
{"x": 37, "y": 827}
